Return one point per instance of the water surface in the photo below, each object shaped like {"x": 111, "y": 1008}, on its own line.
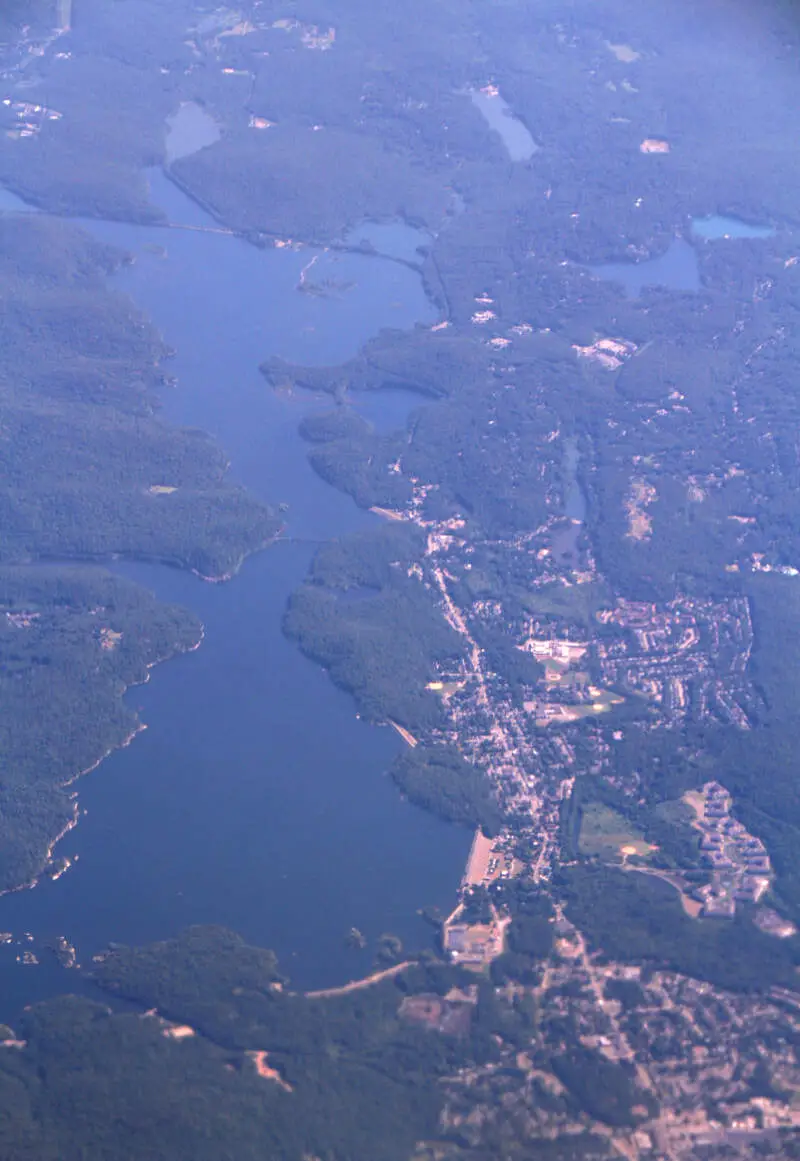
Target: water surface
{"x": 255, "y": 798}
{"x": 718, "y": 226}
{"x": 189, "y": 129}
{"x": 676, "y": 269}
{"x": 565, "y": 542}
{"x": 498, "y": 115}
{"x": 226, "y": 305}
{"x": 392, "y": 239}
{"x": 10, "y": 203}
{"x": 388, "y": 408}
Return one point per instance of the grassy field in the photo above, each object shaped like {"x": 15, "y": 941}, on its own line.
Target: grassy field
{"x": 605, "y": 834}
{"x": 576, "y": 603}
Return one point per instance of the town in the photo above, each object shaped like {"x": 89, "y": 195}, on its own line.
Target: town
{"x": 740, "y": 866}
{"x": 688, "y": 658}
{"x": 685, "y": 660}
{"x": 689, "y": 1069}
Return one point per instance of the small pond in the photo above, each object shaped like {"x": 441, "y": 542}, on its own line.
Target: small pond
{"x": 566, "y": 539}
{"x": 718, "y": 226}
{"x": 676, "y": 269}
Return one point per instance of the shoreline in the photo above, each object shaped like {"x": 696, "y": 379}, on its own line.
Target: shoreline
{"x": 236, "y": 568}
{"x": 137, "y": 729}
{"x": 356, "y": 985}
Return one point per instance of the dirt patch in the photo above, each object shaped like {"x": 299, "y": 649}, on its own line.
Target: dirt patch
{"x": 266, "y": 1071}
{"x": 405, "y": 734}
{"x": 623, "y": 52}
{"x": 478, "y": 862}
{"x": 640, "y": 496}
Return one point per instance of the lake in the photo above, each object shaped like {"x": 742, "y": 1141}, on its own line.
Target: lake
{"x": 256, "y": 798}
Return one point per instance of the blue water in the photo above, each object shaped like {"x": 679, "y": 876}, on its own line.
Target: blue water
{"x": 678, "y": 267}
{"x": 226, "y": 305}
{"x": 255, "y": 798}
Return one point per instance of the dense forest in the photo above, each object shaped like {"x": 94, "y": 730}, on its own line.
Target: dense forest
{"x": 440, "y": 780}
{"x": 71, "y": 640}
{"x": 373, "y": 628}
{"x": 360, "y": 1081}
{"x": 88, "y": 470}
{"x": 637, "y": 918}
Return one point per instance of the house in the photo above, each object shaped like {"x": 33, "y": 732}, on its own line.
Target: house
{"x": 720, "y": 907}
{"x": 711, "y": 842}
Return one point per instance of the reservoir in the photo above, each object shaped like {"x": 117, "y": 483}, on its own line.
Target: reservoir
{"x": 497, "y": 114}
{"x": 255, "y": 799}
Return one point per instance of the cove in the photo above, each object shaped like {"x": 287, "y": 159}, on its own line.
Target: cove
{"x": 388, "y": 408}
{"x": 391, "y": 239}
{"x": 189, "y": 129}
{"x": 255, "y": 799}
